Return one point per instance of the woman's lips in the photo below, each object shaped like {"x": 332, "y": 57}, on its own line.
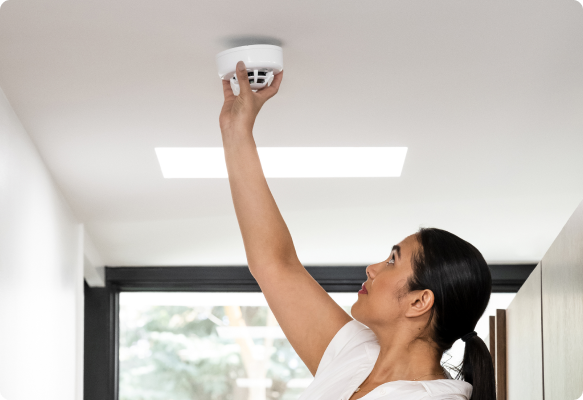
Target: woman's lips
{"x": 363, "y": 290}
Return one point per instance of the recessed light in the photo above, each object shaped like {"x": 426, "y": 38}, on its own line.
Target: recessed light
{"x": 287, "y": 162}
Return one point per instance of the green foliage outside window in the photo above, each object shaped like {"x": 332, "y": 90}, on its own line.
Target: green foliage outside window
{"x": 176, "y": 353}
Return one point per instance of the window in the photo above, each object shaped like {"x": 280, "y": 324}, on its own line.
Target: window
{"x": 215, "y": 346}
{"x": 149, "y": 325}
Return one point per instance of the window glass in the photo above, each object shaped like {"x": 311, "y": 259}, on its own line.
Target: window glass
{"x": 208, "y": 346}
{"x": 221, "y": 346}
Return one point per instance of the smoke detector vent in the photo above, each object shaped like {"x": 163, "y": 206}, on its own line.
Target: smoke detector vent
{"x": 263, "y": 62}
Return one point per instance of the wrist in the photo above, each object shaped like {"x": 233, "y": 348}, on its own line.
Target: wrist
{"x": 237, "y": 136}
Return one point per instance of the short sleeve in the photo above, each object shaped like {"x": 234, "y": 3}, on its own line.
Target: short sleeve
{"x": 351, "y": 335}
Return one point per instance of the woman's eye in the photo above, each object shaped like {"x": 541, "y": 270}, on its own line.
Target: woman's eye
{"x": 391, "y": 260}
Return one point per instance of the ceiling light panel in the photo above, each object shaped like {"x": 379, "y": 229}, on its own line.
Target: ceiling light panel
{"x": 287, "y": 162}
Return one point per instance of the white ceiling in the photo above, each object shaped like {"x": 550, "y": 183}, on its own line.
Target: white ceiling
{"x": 488, "y": 96}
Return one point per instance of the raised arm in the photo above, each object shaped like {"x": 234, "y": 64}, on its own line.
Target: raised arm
{"x": 305, "y": 312}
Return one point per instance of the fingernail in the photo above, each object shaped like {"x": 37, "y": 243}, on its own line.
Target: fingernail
{"x": 240, "y": 66}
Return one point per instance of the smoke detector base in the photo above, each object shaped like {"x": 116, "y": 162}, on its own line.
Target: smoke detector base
{"x": 263, "y": 62}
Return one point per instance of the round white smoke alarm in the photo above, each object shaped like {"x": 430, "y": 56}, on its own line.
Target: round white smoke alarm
{"x": 263, "y": 62}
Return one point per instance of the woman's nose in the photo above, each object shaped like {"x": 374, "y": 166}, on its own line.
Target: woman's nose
{"x": 370, "y": 271}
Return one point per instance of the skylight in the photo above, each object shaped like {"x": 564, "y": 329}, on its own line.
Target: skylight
{"x": 287, "y": 162}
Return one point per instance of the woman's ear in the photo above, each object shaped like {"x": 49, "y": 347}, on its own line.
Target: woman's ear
{"x": 420, "y": 302}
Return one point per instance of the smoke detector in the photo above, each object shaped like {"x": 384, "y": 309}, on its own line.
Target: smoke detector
{"x": 263, "y": 62}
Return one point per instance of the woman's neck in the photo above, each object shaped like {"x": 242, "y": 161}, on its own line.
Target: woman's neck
{"x": 404, "y": 358}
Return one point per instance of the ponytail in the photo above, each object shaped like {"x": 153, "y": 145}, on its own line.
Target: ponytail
{"x": 459, "y": 277}
{"x": 478, "y": 370}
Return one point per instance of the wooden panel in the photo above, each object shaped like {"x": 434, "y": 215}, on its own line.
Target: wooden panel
{"x": 524, "y": 347}
{"x": 492, "y": 337}
{"x": 562, "y": 306}
{"x": 501, "y": 354}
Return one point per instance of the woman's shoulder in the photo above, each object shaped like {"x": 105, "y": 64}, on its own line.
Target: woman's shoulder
{"x": 348, "y": 342}
{"x": 351, "y": 335}
{"x": 355, "y": 331}
{"x": 448, "y": 389}
{"x": 439, "y": 389}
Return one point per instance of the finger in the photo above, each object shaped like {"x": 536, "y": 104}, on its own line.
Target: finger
{"x": 227, "y": 91}
{"x": 270, "y": 91}
{"x": 243, "y": 78}
{"x": 277, "y": 80}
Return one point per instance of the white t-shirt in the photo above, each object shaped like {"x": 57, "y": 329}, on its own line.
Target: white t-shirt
{"x": 349, "y": 359}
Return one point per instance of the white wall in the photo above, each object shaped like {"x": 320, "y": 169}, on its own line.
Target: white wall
{"x": 41, "y": 281}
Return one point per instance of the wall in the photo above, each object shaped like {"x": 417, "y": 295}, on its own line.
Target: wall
{"x": 41, "y": 281}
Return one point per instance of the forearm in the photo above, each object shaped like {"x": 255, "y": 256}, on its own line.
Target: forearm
{"x": 265, "y": 235}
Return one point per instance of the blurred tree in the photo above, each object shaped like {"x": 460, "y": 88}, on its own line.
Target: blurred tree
{"x": 176, "y": 353}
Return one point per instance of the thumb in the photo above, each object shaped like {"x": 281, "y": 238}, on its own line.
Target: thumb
{"x": 242, "y": 77}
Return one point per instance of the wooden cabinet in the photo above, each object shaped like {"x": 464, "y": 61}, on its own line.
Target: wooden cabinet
{"x": 524, "y": 346}
{"x": 562, "y": 312}
{"x": 544, "y": 324}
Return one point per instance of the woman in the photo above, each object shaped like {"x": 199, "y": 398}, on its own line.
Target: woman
{"x": 429, "y": 292}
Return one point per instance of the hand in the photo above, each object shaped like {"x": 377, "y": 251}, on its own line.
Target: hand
{"x": 239, "y": 112}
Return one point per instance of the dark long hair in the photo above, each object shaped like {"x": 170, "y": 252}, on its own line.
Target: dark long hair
{"x": 459, "y": 277}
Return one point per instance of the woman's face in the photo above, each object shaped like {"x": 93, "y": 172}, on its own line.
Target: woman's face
{"x": 381, "y": 303}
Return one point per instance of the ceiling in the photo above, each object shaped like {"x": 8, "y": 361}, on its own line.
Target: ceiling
{"x": 487, "y": 96}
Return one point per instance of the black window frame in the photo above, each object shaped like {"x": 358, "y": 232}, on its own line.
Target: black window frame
{"x": 101, "y": 360}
